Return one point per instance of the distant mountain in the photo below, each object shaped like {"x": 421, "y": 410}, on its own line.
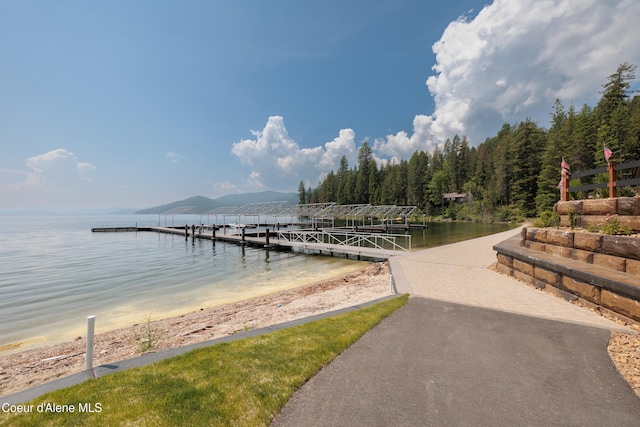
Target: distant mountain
{"x": 205, "y": 204}
{"x": 123, "y": 211}
{"x": 201, "y": 203}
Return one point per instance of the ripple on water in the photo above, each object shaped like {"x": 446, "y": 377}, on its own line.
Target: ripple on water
{"x": 55, "y": 273}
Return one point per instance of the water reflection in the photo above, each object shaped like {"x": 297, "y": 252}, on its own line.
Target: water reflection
{"x": 443, "y": 233}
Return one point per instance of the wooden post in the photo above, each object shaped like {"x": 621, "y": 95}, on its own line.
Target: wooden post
{"x": 564, "y": 191}
{"x": 267, "y": 238}
{"x": 611, "y": 168}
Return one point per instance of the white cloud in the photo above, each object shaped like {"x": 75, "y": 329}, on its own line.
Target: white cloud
{"x": 57, "y": 167}
{"x": 402, "y": 146}
{"x": 276, "y": 159}
{"x": 513, "y": 60}
{"x": 221, "y": 188}
{"x": 52, "y": 178}
{"x": 173, "y": 157}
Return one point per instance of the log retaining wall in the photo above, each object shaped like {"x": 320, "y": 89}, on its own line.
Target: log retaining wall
{"x": 599, "y": 271}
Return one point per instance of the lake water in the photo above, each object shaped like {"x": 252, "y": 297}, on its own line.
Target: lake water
{"x": 54, "y": 272}
{"x": 443, "y": 233}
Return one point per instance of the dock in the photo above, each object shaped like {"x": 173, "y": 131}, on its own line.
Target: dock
{"x": 328, "y": 242}
{"x": 360, "y": 230}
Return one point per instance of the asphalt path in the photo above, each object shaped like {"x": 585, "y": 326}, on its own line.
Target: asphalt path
{"x": 436, "y": 363}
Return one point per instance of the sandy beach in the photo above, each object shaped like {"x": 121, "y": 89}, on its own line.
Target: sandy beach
{"x": 29, "y": 368}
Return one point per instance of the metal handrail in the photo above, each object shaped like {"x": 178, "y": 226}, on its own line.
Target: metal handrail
{"x": 348, "y": 239}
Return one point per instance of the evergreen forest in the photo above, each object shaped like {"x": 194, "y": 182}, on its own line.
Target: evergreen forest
{"x": 510, "y": 176}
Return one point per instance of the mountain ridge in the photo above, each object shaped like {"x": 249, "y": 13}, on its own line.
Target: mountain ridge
{"x": 205, "y": 204}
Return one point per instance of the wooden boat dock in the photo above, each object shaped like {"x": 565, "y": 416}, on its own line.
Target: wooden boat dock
{"x": 329, "y": 242}
{"x": 306, "y": 227}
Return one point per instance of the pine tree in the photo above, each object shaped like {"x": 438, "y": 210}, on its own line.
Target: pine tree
{"x": 365, "y": 160}
{"x": 498, "y": 189}
{"x": 403, "y": 189}
{"x": 416, "y": 171}
{"x": 328, "y": 189}
{"x": 437, "y": 188}
{"x": 302, "y": 193}
{"x": 585, "y": 135}
{"x": 555, "y": 150}
{"x": 374, "y": 182}
{"x": 634, "y": 129}
{"x": 342, "y": 190}
{"x": 524, "y": 153}
{"x": 613, "y": 112}
{"x": 462, "y": 170}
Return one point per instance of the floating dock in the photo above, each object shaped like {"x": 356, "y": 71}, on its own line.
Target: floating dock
{"x": 328, "y": 242}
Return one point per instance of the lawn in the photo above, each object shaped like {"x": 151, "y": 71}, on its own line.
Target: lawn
{"x": 240, "y": 383}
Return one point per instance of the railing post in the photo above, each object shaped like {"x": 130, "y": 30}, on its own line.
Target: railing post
{"x": 611, "y": 168}
{"x": 564, "y": 191}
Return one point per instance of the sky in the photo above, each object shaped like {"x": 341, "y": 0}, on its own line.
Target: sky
{"x": 140, "y": 103}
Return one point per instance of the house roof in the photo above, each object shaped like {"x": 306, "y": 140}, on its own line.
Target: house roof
{"x": 454, "y": 195}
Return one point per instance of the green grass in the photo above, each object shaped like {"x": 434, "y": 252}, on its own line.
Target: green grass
{"x": 241, "y": 383}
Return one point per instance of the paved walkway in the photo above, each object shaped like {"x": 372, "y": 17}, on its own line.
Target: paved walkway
{"x": 471, "y": 347}
{"x": 458, "y": 273}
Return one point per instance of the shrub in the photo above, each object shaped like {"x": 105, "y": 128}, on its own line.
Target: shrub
{"x": 574, "y": 218}
{"x": 612, "y": 226}
{"x": 592, "y": 228}
{"x": 547, "y": 219}
{"x": 150, "y": 336}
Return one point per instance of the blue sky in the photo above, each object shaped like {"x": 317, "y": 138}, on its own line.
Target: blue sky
{"x": 140, "y": 103}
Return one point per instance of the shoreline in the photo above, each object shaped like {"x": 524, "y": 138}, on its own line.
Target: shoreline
{"x": 31, "y": 367}
{"x": 64, "y": 328}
